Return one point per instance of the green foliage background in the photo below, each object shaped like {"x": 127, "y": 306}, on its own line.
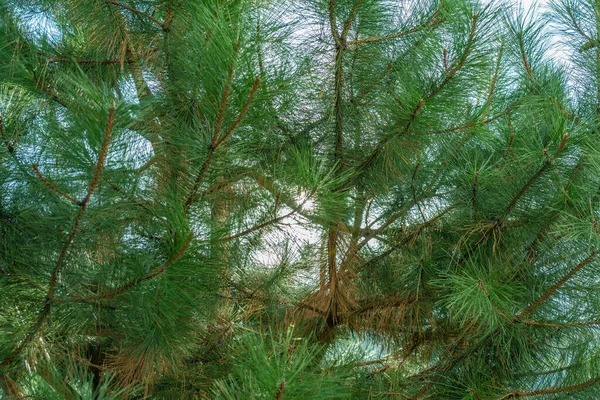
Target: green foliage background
{"x": 252, "y": 199}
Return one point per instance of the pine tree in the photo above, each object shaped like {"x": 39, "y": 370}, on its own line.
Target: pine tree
{"x": 280, "y": 199}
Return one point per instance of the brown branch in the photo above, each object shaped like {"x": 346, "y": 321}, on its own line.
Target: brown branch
{"x": 216, "y": 142}
{"x": 11, "y": 388}
{"x": 525, "y": 59}
{"x": 138, "y": 12}
{"x": 333, "y": 24}
{"x": 494, "y": 82}
{"x": 432, "y": 22}
{"x": 534, "y": 83}
{"x": 404, "y": 241}
{"x": 531, "y": 180}
{"x": 350, "y": 19}
{"x": 461, "y": 62}
{"x": 544, "y": 324}
{"x": 83, "y": 203}
{"x": 45, "y": 311}
{"x": 280, "y": 390}
{"x": 415, "y": 112}
{"x": 569, "y": 11}
{"x": 48, "y": 92}
{"x": 242, "y": 113}
{"x": 212, "y": 146}
{"x": 552, "y": 390}
{"x": 223, "y": 105}
{"x": 87, "y": 61}
{"x": 257, "y": 227}
{"x": 49, "y": 184}
{"x": 474, "y": 124}
{"x": 155, "y": 272}
{"x": 533, "y": 306}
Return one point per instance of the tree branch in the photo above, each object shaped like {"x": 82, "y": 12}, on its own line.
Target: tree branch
{"x": 415, "y": 112}
{"x": 533, "y": 306}
{"x": 216, "y": 141}
{"x": 155, "y": 272}
{"x": 49, "y": 184}
{"x": 45, "y": 312}
{"x": 552, "y": 390}
{"x": 432, "y": 22}
{"x": 138, "y": 12}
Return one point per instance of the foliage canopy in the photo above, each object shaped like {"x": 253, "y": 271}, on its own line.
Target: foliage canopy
{"x": 307, "y": 199}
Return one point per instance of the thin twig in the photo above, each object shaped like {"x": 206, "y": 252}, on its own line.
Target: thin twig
{"x": 138, "y": 12}
{"x": 155, "y": 272}
{"x": 49, "y": 184}
{"x": 541, "y": 299}
{"x": 45, "y": 311}
{"x": 432, "y": 22}
{"x": 552, "y": 390}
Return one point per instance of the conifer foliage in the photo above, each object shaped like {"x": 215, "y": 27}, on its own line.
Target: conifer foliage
{"x": 298, "y": 199}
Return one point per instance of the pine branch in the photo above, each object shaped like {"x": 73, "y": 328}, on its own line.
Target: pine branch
{"x": 531, "y": 180}
{"x": 45, "y": 312}
{"x": 407, "y": 239}
{"x": 569, "y": 11}
{"x": 351, "y": 17}
{"x": 49, "y": 184}
{"x": 333, "y": 25}
{"x": 48, "y": 91}
{"x": 280, "y": 390}
{"x": 140, "y": 13}
{"x": 541, "y": 299}
{"x": 432, "y": 22}
{"x": 11, "y": 388}
{"x": 242, "y": 113}
{"x": 533, "y": 81}
{"x": 86, "y": 60}
{"x": 212, "y": 146}
{"x": 477, "y": 123}
{"x": 216, "y": 141}
{"x": 83, "y": 203}
{"x": 259, "y": 226}
{"x": 552, "y": 390}
{"x": 436, "y": 90}
{"x": 559, "y": 325}
{"x": 150, "y": 275}
{"x": 452, "y": 363}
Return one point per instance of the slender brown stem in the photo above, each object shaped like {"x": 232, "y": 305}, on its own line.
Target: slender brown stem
{"x": 138, "y": 12}
{"x": 280, "y": 390}
{"x": 83, "y": 203}
{"x": 258, "y": 227}
{"x": 552, "y": 390}
{"x": 152, "y": 274}
{"x": 333, "y": 24}
{"x": 569, "y": 11}
{"x": 216, "y": 141}
{"x": 351, "y": 18}
{"x": 242, "y": 113}
{"x": 544, "y": 324}
{"x": 49, "y": 184}
{"x": 541, "y": 299}
{"x": 417, "y": 109}
{"x": 432, "y": 22}
{"x": 45, "y": 311}
{"x": 531, "y": 180}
